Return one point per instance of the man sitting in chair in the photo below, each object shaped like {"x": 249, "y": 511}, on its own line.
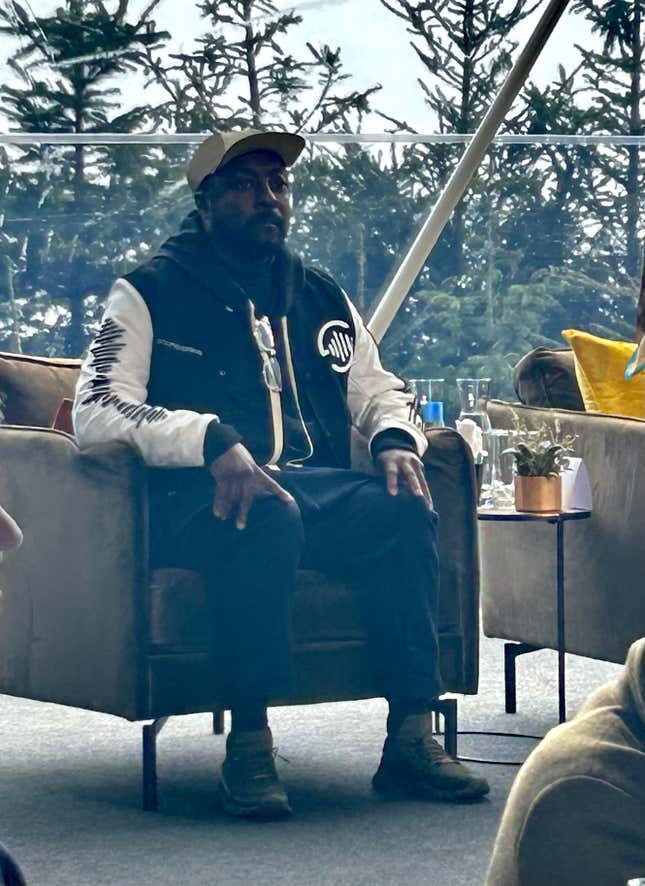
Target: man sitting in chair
{"x": 240, "y": 373}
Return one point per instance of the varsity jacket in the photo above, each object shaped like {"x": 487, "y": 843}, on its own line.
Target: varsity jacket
{"x": 182, "y": 367}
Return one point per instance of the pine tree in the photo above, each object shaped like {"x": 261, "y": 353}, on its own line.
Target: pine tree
{"x": 615, "y": 81}
{"x": 465, "y": 47}
{"x": 239, "y": 75}
{"x": 529, "y": 249}
{"x": 68, "y": 64}
{"x": 452, "y": 320}
{"x": 354, "y": 215}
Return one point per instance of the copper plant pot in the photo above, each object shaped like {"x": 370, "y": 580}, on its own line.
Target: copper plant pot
{"x": 538, "y": 494}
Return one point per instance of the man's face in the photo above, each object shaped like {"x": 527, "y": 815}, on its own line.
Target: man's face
{"x": 248, "y": 201}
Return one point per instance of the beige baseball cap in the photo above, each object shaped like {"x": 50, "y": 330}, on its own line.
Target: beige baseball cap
{"x": 221, "y": 147}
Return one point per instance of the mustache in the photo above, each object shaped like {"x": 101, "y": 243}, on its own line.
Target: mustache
{"x": 269, "y": 217}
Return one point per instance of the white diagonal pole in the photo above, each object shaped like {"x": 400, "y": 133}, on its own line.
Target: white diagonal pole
{"x": 425, "y": 240}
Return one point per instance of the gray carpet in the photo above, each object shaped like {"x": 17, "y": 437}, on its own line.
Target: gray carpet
{"x": 70, "y": 803}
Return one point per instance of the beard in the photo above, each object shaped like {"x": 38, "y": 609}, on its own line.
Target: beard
{"x": 258, "y": 237}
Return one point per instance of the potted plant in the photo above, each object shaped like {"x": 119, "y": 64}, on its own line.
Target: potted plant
{"x": 539, "y": 459}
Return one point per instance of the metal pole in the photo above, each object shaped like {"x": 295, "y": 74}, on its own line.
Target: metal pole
{"x": 425, "y": 240}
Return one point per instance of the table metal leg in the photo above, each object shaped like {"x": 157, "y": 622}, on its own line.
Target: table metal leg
{"x": 218, "y": 721}
{"x": 562, "y": 699}
{"x": 149, "y": 734}
{"x": 511, "y": 651}
{"x": 448, "y": 708}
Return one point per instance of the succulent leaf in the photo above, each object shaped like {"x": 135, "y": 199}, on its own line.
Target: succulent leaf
{"x": 542, "y": 453}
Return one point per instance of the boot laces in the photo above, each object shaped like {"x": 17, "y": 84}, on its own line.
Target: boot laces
{"x": 430, "y": 753}
{"x": 277, "y": 756}
{"x": 263, "y": 762}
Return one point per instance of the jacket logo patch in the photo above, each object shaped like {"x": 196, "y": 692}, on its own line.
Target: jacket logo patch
{"x": 175, "y": 346}
{"x": 335, "y": 342}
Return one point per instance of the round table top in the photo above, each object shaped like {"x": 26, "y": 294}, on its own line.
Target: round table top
{"x": 549, "y": 516}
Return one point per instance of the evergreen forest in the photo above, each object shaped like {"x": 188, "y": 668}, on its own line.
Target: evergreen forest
{"x": 549, "y": 235}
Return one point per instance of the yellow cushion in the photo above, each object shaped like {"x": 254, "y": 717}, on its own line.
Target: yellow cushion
{"x": 600, "y": 370}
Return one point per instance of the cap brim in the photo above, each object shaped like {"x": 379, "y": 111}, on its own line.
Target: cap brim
{"x": 287, "y": 145}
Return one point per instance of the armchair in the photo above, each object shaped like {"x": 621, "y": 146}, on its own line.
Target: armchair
{"x": 86, "y": 623}
{"x": 605, "y": 556}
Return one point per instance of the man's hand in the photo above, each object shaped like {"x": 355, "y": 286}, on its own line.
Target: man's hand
{"x": 239, "y": 481}
{"x": 405, "y": 466}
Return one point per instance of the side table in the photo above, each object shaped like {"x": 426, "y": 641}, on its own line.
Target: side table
{"x": 557, "y": 518}
{"x": 512, "y": 650}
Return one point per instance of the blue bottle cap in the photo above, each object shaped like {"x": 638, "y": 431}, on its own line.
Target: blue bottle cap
{"x": 432, "y": 412}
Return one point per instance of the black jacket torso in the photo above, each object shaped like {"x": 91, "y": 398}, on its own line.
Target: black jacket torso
{"x": 205, "y": 357}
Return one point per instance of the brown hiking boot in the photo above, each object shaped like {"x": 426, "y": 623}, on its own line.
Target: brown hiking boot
{"x": 414, "y": 764}
{"x": 249, "y": 784}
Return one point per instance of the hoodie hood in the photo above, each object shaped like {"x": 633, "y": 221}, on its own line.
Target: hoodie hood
{"x": 192, "y": 249}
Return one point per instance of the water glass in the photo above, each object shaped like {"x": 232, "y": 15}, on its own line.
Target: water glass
{"x": 497, "y": 479}
{"x": 473, "y": 400}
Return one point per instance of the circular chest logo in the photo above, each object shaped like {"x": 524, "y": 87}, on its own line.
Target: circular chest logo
{"x": 335, "y": 342}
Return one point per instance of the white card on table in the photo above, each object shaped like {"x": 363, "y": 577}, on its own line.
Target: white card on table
{"x": 576, "y": 488}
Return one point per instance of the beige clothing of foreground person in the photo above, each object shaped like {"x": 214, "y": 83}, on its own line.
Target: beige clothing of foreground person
{"x": 10, "y": 536}
{"x": 576, "y": 813}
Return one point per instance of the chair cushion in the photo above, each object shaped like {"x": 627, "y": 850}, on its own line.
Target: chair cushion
{"x": 600, "y": 365}
{"x": 33, "y": 388}
{"x": 546, "y": 377}
{"x": 324, "y": 610}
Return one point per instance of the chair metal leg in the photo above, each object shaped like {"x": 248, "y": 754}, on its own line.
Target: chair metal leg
{"x": 447, "y": 707}
{"x": 218, "y": 721}
{"x": 511, "y": 651}
{"x": 149, "y": 735}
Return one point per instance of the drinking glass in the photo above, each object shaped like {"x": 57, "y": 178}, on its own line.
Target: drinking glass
{"x": 473, "y": 399}
{"x": 497, "y": 479}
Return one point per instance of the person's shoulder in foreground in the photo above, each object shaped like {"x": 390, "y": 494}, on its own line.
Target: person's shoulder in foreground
{"x": 576, "y": 813}
{"x": 10, "y": 873}
{"x": 10, "y": 534}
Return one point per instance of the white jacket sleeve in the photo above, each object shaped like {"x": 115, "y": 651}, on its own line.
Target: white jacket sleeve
{"x": 111, "y": 393}
{"x": 377, "y": 398}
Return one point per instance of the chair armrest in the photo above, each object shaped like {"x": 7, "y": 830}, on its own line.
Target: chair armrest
{"x": 72, "y": 626}
{"x": 451, "y": 477}
{"x": 604, "y": 557}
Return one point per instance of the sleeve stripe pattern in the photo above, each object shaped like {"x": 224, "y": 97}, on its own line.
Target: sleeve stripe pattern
{"x": 105, "y": 353}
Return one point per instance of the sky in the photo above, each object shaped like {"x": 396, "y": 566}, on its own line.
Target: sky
{"x": 375, "y": 46}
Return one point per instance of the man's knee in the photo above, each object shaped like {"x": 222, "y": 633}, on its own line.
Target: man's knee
{"x": 277, "y": 522}
{"x": 413, "y": 507}
{"x": 404, "y": 510}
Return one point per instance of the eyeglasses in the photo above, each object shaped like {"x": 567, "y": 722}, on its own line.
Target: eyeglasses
{"x": 263, "y": 335}
{"x": 278, "y": 184}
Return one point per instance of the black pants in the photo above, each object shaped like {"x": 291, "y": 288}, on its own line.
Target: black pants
{"x": 344, "y": 524}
